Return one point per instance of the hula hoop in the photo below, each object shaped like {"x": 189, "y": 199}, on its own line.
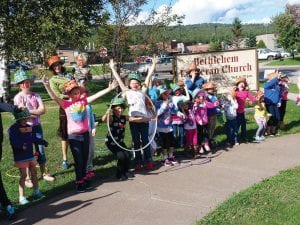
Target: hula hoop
{"x": 114, "y": 140}
{"x": 10, "y": 175}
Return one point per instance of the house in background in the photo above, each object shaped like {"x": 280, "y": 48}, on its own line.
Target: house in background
{"x": 269, "y": 40}
{"x": 68, "y": 55}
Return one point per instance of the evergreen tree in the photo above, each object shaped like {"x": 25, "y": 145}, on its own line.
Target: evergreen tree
{"x": 236, "y": 31}
{"x": 261, "y": 44}
{"x": 251, "y": 41}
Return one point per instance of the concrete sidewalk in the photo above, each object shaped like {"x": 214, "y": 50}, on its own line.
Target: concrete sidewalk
{"x": 178, "y": 195}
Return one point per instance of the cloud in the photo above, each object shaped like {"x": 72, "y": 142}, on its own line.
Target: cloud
{"x": 224, "y": 11}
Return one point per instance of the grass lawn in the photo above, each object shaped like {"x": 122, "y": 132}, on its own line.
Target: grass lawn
{"x": 104, "y": 163}
{"x": 286, "y": 62}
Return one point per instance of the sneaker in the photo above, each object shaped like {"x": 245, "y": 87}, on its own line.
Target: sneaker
{"x": 80, "y": 186}
{"x": 10, "y": 212}
{"x": 167, "y": 162}
{"x": 201, "y": 150}
{"x": 150, "y": 166}
{"x": 38, "y": 194}
{"x": 88, "y": 184}
{"x": 173, "y": 160}
{"x": 90, "y": 174}
{"x": 65, "y": 164}
{"x": 23, "y": 201}
{"x": 48, "y": 177}
{"x": 257, "y": 139}
{"x": 206, "y": 146}
{"x": 28, "y": 183}
{"x": 138, "y": 167}
{"x": 236, "y": 144}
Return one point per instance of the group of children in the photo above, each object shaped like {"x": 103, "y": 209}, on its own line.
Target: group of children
{"x": 178, "y": 116}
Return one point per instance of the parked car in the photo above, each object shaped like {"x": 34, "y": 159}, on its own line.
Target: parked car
{"x": 265, "y": 53}
{"x": 12, "y": 65}
{"x": 165, "y": 64}
{"x": 285, "y": 54}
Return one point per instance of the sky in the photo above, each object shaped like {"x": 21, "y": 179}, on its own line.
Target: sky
{"x": 221, "y": 11}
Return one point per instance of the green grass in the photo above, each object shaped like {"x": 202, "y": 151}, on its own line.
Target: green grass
{"x": 274, "y": 201}
{"x": 286, "y": 62}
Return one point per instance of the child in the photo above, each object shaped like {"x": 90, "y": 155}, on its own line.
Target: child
{"x": 117, "y": 123}
{"x": 165, "y": 108}
{"x": 272, "y": 98}
{"x": 82, "y": 82}
{"x": 190, "y": 129}
{"x": 33, "y": 102}
{"x": 135, "y": 96}
{"x": 260, "y": 116}
{"x": 177, "y": 122}
{"x": 242, "y": 94}
{"x": 211, "y": 91}
{"x": 284, "y": 89}
{"x": 78, "y": 129}
{"x": 22, "y": 139}
{"x": 230, "y": 105}
{"x": 200, "y": 110}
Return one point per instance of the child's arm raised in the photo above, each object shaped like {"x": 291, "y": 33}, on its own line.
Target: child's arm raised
{"x": 150, "y": 71}
{"x": 51, "y": 93}
{"x": 106, "y": 116}
{"x": 116, "y": 75}
{"x": 112, "y": 85}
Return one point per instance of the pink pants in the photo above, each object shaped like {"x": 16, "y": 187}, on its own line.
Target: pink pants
{"x": 190, "y": 137}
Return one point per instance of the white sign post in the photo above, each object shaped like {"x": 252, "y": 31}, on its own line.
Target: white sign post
{"x": 223, "y": 68}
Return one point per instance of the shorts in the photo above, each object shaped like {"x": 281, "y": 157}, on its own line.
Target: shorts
{"x": 167, "y": 140}
{"x": 62, "y": 131}
{"x": 25, "y": 164}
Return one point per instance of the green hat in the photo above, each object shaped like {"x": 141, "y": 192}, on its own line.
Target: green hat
{"x": 197, "y": 91}
{"x": 21, "y": 75}
{"x": 161, "y": 91}
{"x": 175, "y": 87}
{"x": 134, "y": 76}
{"x": 282, "y": 75}
{"x": 117, "y": 101}
{"x": 22, "y": 114}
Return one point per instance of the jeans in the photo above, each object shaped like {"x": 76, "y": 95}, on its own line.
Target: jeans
{"x": 140, "y": 138}
{"x": 260, "y": 130}
{"x": 38, "y": 132}
{"x": 202, "y": 134}
{"x": 231, "y": 131}
{"x": 241, "y": 123}
{"x": 178, "y": 132}
{"x": 274, "y": 119}
{"x": 79, "y": 145}
{"x": 89, "y": 165}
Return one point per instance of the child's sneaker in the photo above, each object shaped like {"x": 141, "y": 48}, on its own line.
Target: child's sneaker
{"x": 150, "y": 166}
{"x": 201, "y": 150}
{"x": 23, "y": 201}
{"x": 167, "y": 162}
{"x": 48, "y": 177}
{"x": 37, "y": 195}
{"x": 28, "y": 183}
{"x": 173, "y": 160}
{"x": 206, "y": 146}
{"x": 65, "y": 164}
{"x": 257, "y": 139}
{"x": 80, "y": 186}
{"x": 138, "y": 167}
{"x": 10, "y": 212}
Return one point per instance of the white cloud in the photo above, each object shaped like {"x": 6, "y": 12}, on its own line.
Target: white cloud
{"x": 294, "y": 2}
{"x": 224, "y": 11}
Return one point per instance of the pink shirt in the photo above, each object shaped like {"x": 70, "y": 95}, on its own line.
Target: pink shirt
{"x": 200, "y": 112}
{"x": 30, "y": 101}
{"x": 241, "y": 97}
{"x": 77, "y": 116}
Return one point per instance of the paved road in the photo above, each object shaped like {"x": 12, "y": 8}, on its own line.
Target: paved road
{"x": 169, "y": 195}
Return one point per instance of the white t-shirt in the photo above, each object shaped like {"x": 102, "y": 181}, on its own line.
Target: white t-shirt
{"x": 136, "y": 103}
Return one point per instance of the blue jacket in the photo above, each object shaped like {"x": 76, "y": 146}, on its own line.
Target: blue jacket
{"x": 198, "y": 82}
{"x": 272, "y": 91}
{"x": 22, "y": 143}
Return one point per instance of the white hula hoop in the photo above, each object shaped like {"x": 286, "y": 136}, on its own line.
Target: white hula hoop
{"x": 114, "y": 140}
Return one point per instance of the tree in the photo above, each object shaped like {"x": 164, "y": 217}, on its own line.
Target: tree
{"x": 288, "y": 31}
{"x": 251, "y": 41}
{"x": 261, "y": 44}
{"x": 236, "y": 31}
{"x": 35, "y": 27}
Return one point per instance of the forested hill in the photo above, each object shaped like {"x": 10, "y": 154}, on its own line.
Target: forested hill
{"x": 198, "y": 33}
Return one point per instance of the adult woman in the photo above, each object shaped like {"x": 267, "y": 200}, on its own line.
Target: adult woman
{"x": 57, "y": 85}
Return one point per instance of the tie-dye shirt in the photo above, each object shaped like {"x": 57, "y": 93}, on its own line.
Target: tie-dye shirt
{"x": 77, "y": 116}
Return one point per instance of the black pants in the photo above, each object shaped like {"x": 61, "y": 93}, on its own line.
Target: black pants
{"x": 123, "y": 158}
{"x": 282, "y": 110}
{"x": 79, "y": 145}
{"x": 3, "y": 197}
